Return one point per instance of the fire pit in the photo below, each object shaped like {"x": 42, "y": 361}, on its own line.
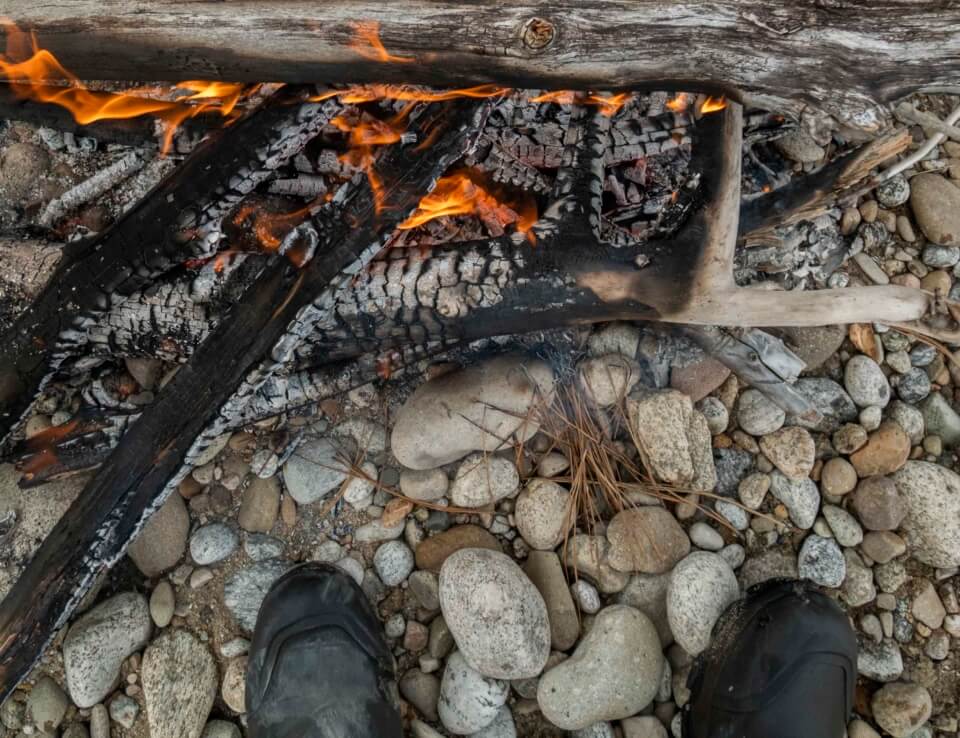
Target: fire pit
{"x": 319, "y": 237}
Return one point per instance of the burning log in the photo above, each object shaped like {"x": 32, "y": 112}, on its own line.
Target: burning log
{"x": 775, "y": 53}
{"x": 275, "y": 313}
{"x": 179, "y": 220}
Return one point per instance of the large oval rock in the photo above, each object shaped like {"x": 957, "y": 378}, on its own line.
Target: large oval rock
{"x": 179, "y": 676}
{"x": 931, "y": 494}
{"x": 99, "y": 641}
{"x": 161, "y": 543}
{"x": 480, "y": 408}
{"x": 935, "y": 202}
{"x": 887, "y": 449}
{"x": 901, "y": 708}
{"x": 701, "y": 587}
{"x": 614, "y": 673}
{"x": 865, "y": 382}
{"x": 647, "y": 540}
{"x": 469, "y": 701}
{"x": 432, "y": 552}
{"x": 495, "y": 614}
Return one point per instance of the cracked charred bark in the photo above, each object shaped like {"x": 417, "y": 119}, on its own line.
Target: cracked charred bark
{"x": 273, "y": 315}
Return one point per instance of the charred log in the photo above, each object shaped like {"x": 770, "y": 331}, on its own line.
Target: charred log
{"x": 274, "y": 314}
{"x": 180, "y": 219}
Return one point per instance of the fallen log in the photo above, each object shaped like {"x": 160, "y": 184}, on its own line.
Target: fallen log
{"x": 274, "y": 313}
{"x": 875, "y": 51}
{"x": 178, "y": 220}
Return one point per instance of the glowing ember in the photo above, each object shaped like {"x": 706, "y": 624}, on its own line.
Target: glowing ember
{"x": 269, "y": 227}
{"x": 713, "y": 105}
{"x": 29, "y": 76}
{"x": 367, "y": 44}
{"x": 680, "y": 103}
{"x": 461, "y": 194}
{"x": 363, "y": 136}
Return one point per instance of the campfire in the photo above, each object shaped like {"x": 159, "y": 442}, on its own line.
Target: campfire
{"x": 306, "y": 239}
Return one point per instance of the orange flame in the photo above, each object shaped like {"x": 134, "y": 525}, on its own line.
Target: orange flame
{"x": 362, "y": 138}
{"x": 461, "y": 194}
{"x": 610, "y": 104}
{"x": 367, "y": 44}
{"x": 713, "y": 105}
{"x": 680, "y": 103}
{"x": 28, "y": 78}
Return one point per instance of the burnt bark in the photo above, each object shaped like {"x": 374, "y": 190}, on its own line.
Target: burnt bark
{"x": 274, "y": 313}
{"x": 843, "y": 57}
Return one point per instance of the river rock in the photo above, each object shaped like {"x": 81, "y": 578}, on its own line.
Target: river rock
{"x": 865, "y": 382}
{"x": 97, "y": 644}
{"x": 909, "y": 418}
{"x": 47, "y": 704}
{"x": 845, "y": 528}
{"x": 901, "y": 708}
{"x": 878, "y": 504}
{"x": 161, "y": 543}
{"x": 757, "y": 414}
{"x": 648, "y": 594}
{"x": 179, "y": 677}
{"x": 588, "y": 556}
{"x": 701, "y": 587}
{"x": 483, "y": 480}
{"x": 932, "y": 525}
{"x": 315, "y": 469}
{"x": 233, "y": 690}
{"x": 935, "y": 202}
{"x": 647, "y": 540}
{"x": 542, "y": 514}
{"x": 426, "y": 485}
{"x": 479, "y": 408}
{"x": 881, "y": 662}
{"x": 767, "y": 565}
{"x": 791, "y": 450}
{"x": 422, "y": 691}
{"x": 162, "y": 604}
{"x": 608, "y": 379}
{"x": 800, "y": 496}
{"x": 800, "y": 146}
{"x": 501, "y": 727}
{"x": 830, "y": 399}
{"x": 614, "y": 673}
{"x": 393, "y": 562}
{"x": 821, "y": 561}
{"x": 469, "y": 701}
{"x": 646, "y": 726}
{"x": 244, "y": 590}
{"x": 939, "y": 418}
{"x": 213, "y": 543}
{"x": 886, "y": 451}
{"x": 894, "y": 192}
{"x": 432, "y": 552}
{"x": 495, "y": 613}
{"x": 220, "y": 729}
{"x": 260, "y": 505}
{"x": 546, "y": 572}
{"x": 674, "y": 439}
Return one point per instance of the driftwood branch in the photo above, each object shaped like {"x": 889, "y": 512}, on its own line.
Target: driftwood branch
{"x": 770, "y": 51}
{"x": 273, "y": 314}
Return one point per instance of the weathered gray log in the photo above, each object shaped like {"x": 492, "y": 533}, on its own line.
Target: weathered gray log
{"x": 844, "y": 57}
{"x": 274, "y": 313}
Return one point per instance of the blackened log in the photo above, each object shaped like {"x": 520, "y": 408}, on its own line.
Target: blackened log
{"x": 178, "y": 220}
{"x": 843, "y": 57}
{"x": 258, "y": 335}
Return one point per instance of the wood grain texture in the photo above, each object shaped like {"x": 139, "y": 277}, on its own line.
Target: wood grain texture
{"x": 841, "y": 55}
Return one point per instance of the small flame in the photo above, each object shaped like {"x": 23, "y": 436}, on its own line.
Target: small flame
{"x": 366, "y": 42}
{"x": 28, "y": 78}
{"x": 680, "y": 103}
{"x": 610, "y": 104}
{"x": 363, "y": 136}
{"x": 461, "y": 194}
{"x": 713, "y": 105}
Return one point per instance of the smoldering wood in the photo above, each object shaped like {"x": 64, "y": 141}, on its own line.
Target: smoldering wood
{"x": 179, "y": 219}
{"x": 876, "y": 52}
{"x": 101, "y": 182}
{"x": 155, "y": 453}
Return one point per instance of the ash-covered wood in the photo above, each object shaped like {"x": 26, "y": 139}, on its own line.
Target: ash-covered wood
{"x": 180, "y": 219}
{"x": 273, "y": 315}
{"x": 844, "y": 57}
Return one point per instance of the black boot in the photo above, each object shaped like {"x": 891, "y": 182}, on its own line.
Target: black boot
{"x": 783, "y": 663}
{"x": 319, "y": 665}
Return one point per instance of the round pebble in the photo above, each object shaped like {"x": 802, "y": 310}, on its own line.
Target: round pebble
{"x": 393, "y": 562}
{"x": 213, "y": 543}
{"x": 821, "y": 561}
{"x": 865, "y": 382}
